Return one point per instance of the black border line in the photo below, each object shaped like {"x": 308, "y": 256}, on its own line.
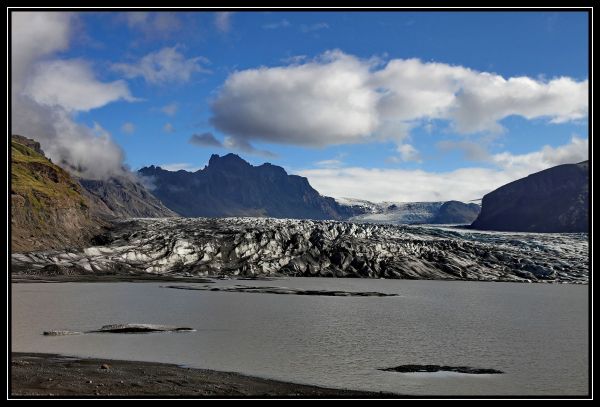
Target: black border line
{"x": 576, "y": 8}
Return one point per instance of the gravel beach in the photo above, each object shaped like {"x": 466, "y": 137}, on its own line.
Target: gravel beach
{"x": 49, "y": 375}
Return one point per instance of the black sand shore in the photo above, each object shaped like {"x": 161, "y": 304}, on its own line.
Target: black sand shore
{"x": 49, "y": 375}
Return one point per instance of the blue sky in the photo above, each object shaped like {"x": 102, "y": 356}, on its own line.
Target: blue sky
{"x": 495, "y": 128}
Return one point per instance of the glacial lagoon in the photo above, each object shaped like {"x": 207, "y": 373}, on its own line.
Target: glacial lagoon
{"x": 536, "y": 334}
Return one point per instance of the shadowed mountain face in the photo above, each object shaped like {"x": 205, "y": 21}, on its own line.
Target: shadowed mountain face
{"x": 553, "y": 200}
{"x": 123, "y": 198}
{"x": 456, "y": 212}
{"x": 229, "y": 186}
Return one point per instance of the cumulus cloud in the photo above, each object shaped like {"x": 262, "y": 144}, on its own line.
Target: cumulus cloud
{"x": 338, "y": 98}
{"x": 223, "y": 21}
{"x": 331, "y": 163}
{"x": 170, "y": 109}
{"x": 152, "y": 24}
{"x": 489, "y": 99}
{"x": 336, "y": 162}
{"x": 465, "y": 184}
{"x": 573, "y": 152}
{"x": 44, "y": 110}
{"x": 323, "y": 102}
{"x": 72, "y": 85}
{"x": 205, "y": 140}
{"x": 233, "y": 143}
{"x": 472, "y": 151}
{"x": 378, "y": 184}
{"x": 36, "y": 35}
{"x": 209, "y": 140}
{"x": 128, "y": 128}
{"x": 408, "y": 153}
{"x": 167, "y": 65}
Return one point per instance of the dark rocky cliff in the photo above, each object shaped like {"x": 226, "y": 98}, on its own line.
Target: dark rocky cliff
{"x": 553, "y": 200}
{"x": 123, "y": 197}
{"x": 457, "y": 212}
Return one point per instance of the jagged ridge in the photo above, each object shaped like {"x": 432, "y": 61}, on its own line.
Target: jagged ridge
{"x": 230, "y": 186}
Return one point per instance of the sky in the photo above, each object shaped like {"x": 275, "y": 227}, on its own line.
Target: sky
{"x": 382, "y": 106}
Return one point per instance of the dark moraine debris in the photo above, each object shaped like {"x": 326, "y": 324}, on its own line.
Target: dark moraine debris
{"x": 123, "y": 329}
{"x": 139, "y": 328}
{"x": 60, "y": 333}
{"x": 438, "y": 368}
{"x": 282, "y": 290}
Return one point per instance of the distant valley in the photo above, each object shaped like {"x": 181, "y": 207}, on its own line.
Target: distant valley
{"x": 408, "y": 213}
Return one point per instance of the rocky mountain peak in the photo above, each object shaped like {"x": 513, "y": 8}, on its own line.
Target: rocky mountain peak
{"x": 228, "y": 161}
{"x": 230, "y": 186}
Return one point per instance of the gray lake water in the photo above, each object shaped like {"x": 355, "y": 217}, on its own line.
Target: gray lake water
{"x": 536, "y": 333}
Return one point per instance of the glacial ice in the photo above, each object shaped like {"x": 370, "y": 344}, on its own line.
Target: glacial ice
{"x": 266, "y": 246}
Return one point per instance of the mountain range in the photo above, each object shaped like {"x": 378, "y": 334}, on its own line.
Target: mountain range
{"x": 51, "y": 209}
{"x": 230, "y": 186}
{"x": 406, "y": 213}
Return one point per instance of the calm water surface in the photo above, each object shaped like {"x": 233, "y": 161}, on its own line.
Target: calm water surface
{"x": 536, "y": 333}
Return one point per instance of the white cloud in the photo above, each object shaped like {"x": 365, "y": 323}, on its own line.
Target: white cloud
{"x": 574, "y": 152}
{"x": 168, "y": 128}
{"x": 473, "y": 151}
{"x": 205, "y": 140}
{"x": 152, "y": 25}
{"x": 163, "y": 66}
{"x": 233, "y": 143}
{"x": 315, "y": 104}
{"x": 170, "y": 109}
{"x": 71, "y": 84}
{"x": 487, "y": 99}
{"x": 86, "y": 152}
{"x": 340, "y": 99}
{"x": 43, "y": 112}
{"x": 36, "y": 35}
{"x": 408, "y": 153}
{"x": 332, "y": 163}
{"x": 128, "y": 128}
{"x": 223, "y": 21}
{"x": 380, "y": 184}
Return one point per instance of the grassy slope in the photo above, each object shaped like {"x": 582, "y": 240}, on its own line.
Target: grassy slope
{"x": 47, "y": 207}
{"x": 37, "y": 178}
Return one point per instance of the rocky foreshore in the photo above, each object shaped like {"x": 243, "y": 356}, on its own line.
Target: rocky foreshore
{"x": 199, "y": 247}
{"x": 48, "y": 375}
